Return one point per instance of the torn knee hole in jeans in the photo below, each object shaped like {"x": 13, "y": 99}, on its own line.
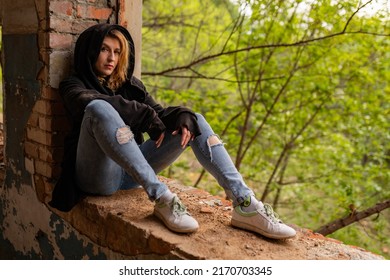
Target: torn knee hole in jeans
{"x": 213, "y": 141}
{"x": 124, "y": 135}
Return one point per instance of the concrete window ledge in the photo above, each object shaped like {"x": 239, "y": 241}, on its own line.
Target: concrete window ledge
{"x": 124, "y": 223}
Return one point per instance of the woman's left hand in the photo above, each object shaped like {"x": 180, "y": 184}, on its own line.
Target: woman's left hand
{"x": 160, "y": 140}
{"x": 186, "y": 136}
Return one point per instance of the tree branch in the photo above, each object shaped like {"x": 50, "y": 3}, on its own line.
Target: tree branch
{"x": 288, "y": 147}
{"x": 353, "y": 14}
{"x": 280, "y": 45}
{"x": 352, "y": 218}
{"x": 224, "y": 52}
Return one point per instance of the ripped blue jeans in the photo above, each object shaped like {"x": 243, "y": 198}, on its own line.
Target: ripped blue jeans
{"x": 109, "y": 159}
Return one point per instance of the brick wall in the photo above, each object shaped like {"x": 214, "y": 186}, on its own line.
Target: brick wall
{"x": 60, "y": 23}
{"x": 38, "y": 39}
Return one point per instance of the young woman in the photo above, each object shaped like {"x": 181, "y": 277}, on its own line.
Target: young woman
{"x": 105, "y": 150}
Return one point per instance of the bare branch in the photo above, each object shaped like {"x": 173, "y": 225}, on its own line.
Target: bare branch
{"x": 225, "y": 52}
{"x": 269, "y": 112}
{"x": 199, "y": 76}
{"x": 353, "y": 14}
{"x": 288, "y": 147}
{"x": 250, "y": 48}
{"x": 168, "y": 22}
{"x": 352, "y": 218}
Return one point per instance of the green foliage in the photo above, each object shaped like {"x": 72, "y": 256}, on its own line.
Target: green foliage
{"x": 299, "y": 92}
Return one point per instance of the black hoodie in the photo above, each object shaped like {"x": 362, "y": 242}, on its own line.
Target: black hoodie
{"x": 133, "y": 103}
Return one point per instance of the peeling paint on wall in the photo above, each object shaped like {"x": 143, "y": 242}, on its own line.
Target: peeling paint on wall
{"x": 23, "y": 218}
{"x": 36, "y": 57}
{"x": 29, "y": 230}
{"x": 21, "y": 92}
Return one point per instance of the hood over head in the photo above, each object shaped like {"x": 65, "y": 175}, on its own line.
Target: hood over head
{"x": 87, "y": 50}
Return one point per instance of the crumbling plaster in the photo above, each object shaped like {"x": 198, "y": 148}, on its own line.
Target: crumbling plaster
{"x": 35, "y": 57}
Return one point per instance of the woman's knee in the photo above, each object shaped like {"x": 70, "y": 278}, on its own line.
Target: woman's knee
{"x": 101, "y": 109}
{"x": 207, "y": 131}
{"x": 200, "y": 117}
{"x": 202, "y": 122}
{"x": 98, "y": 105}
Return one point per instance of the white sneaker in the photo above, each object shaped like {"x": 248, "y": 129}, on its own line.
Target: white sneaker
{"x": 263, "y": 221}
{"x": 175, "y": 216}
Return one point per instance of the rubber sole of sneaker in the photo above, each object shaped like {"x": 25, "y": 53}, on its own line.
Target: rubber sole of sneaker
{"x": 173, "y": 228}
{"x": 252, "y": 228}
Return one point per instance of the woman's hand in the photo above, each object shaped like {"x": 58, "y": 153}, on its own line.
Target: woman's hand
{"x": 186, "y": 136}
{"x": 160, "y": 140}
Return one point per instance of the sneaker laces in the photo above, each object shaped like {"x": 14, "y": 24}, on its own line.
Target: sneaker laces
{"x": 178, "y": 207}
{"x": 270, "y": 213}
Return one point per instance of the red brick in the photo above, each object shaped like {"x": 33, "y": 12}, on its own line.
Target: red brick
{"x": 43, "y": 106}
{"x": 60, "y": 41}
{"x": 81, "y": 11}
{"x": 46, "y": 124}
{"x": 31, "y": 149}
{"x": 44, "y": 168}
{"x": 100, "y": 13}
{"x": 64, "y": 8}
{"x": 45, "y": 154}
{"x": 29, "y": 165}
{"x": 33, "y": 120}
{"x": 45, "y": 138}
{"x": 51, "y": 94}
{"x": 60, "y": 24}
{"x": 39, "y": 136}
{"x": 79, "y": 25}
{"x": 91, "y": 12}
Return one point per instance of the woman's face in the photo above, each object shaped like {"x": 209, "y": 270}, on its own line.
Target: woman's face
{"x": 108, "y": 57}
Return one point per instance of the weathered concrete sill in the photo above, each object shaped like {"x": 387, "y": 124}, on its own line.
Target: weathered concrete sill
{"x": 125, "y": 224}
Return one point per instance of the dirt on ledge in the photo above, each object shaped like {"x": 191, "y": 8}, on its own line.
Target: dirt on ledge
{"x": 214, "y": 215}
{"x": 216, "y": 238}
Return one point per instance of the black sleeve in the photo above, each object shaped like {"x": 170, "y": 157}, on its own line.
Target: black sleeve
{"x": 179, "y": 116}
{"x": 139, "y": 116}
{"x": 173, "y": 117}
